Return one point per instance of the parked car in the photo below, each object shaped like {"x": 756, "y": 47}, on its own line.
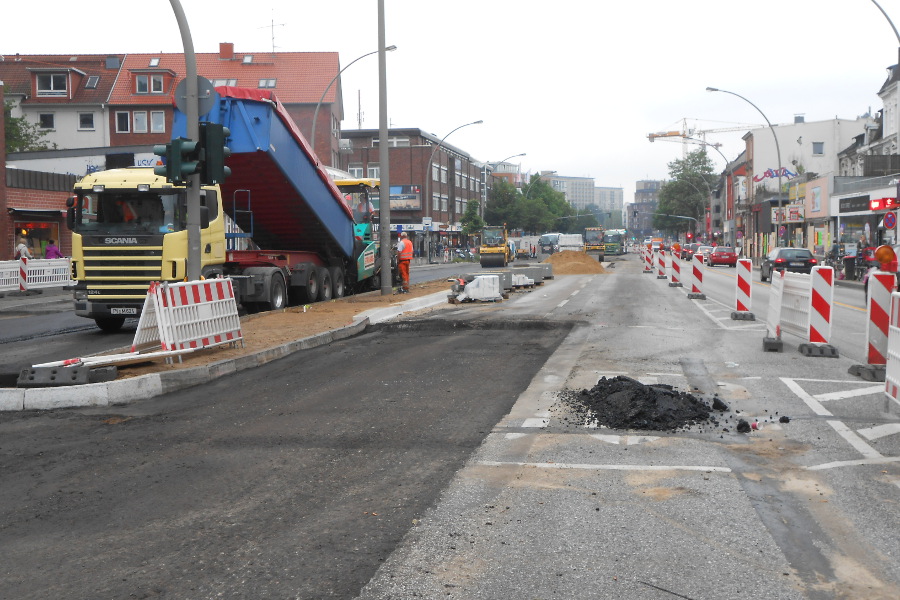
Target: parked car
{"x": 704, "y": 252}
{"x": 722, "y": 255}
{"x": 796, "y": 260}
{"x": 687, "y": 251}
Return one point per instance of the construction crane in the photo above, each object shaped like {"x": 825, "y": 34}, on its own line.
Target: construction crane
{"x": 687, "y": 134}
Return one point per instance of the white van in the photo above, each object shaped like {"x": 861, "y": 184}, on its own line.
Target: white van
{"x": 549, "y": 243}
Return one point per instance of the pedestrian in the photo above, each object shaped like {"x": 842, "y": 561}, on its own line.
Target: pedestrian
{"x": 52, "y": 250}
{"x": 404, "y": 256}
{"x": 22, "y": 250}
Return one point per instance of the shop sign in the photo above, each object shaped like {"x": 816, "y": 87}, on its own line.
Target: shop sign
{"x": 853, "y": 204}
{"x": 883, "y": 204}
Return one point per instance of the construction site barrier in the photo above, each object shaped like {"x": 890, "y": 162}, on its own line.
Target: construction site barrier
{"x": 802, "y": 304}
{"x": 743, "y": 291}
{"x": 675, "y": 273}
{"x": 878, "y": 306}
{"x": 27, "y": 274}
{"x": 661, "y": 264}
{"x": 647, "y": 255}
{"x": 698, "y": 269}
{"x": 188, "y": 315}
{"x": 892, "y": 368}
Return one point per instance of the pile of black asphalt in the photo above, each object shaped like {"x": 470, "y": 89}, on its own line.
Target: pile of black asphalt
{"x": 624, "y": 403}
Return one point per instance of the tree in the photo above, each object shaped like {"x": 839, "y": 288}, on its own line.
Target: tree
{"x": 683, "y": 199}
{"x": 501, "y": 205}
{"x": 22, "y": 136}
{"x": 471, "y": 221}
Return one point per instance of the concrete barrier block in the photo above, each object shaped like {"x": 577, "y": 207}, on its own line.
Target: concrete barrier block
{"x": 92, "y": 394}
{"x": 12, "y": 399}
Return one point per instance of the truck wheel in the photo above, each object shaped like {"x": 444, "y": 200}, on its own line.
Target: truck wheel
{"x": 325, "y": 289}
{"x": 277, "y": 293}
{"x": 337, "y": 282}
{"x": 309, "y": 291}
{"x": 109, "y": 324}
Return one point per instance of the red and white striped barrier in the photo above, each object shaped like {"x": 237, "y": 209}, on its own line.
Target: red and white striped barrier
{"x": 188, "y": 316}
{"x": 802, "y": 304}
{"x": 647, "y": 255}
{"x": 661, "y": 264}
{"x": 892, "y": 372}
{"x": 881, "y": 285}
{"x": 743, "y": 291}
{"x": 698, "y": 269}
{"x": 26, "y": 274}
{"x": 675, "y": 273}
{"x": 199, "y": 314}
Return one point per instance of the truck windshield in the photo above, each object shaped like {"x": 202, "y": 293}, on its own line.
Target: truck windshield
{"x": 119, "y": 211}
{"x": 592, "y": 235}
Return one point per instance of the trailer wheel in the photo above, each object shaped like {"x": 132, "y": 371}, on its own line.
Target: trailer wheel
{"x": 277, "y": 293}
{"x": 109, "y": 324}
{"x": 337, "y": 282}
{"x": 325, "y": 289}
{"x": 308, "y": 292}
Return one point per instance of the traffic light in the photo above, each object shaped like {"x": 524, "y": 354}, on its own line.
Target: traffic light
{"x": 182, "y": 160}
{"x": 213, "y": 153}
{"x": 690, "y": 236}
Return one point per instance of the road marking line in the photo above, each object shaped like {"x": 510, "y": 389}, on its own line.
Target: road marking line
{"x": 850, "y": 393}
{"x": 628, "y": 440}
{"x": 535, "y": 422}
{"x": 882, "y": 460}
{"x": 491, "y": 463}
{"x": 811, "y": 402}
{"x": 879, "y": 431}
{"x": 854, "y": 440}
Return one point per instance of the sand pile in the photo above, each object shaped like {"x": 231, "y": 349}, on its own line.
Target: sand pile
{"x": 570, "y": 262}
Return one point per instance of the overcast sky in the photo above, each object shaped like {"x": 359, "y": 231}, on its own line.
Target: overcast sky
{"x": 576, "y": 85}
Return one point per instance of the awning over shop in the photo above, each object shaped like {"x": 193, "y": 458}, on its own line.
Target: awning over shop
{"x": 35, "y": 214}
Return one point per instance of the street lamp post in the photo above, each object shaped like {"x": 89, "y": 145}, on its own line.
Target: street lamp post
{"x": 312, "y": 135}
{"x": 777, "y": 152}
{"x": 429, "y": 206}
{"x": 485, "y": 187}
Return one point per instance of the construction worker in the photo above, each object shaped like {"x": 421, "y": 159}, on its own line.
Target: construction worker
{"x": 404, "y": 256}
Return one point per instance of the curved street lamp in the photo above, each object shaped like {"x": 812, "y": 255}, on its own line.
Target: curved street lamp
{"x": 777, "y": 151}
{"x": 312, "y": 136}
{"x": 428, "y": 176}
{"x": 485, "y": 186}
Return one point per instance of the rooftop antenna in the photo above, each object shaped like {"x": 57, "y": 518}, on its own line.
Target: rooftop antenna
{"x": 272, "y": 25}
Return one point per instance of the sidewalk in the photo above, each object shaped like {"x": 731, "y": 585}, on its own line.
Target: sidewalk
{"x": 42, "y": 300}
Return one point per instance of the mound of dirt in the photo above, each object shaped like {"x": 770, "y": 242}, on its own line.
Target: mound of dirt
{"x": 570, "y": 262}
{"x": 624, "y": 403}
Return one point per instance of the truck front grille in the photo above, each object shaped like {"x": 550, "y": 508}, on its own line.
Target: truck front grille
{"x": 121, "y": 272}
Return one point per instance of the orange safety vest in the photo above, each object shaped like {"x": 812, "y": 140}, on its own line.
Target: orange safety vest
{"x": 406, "y": 251}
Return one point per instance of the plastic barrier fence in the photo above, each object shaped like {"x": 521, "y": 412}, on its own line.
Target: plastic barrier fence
{"x": 661, "y": 264}
{"x": 189, "y": 315}
{"x": 892, "y": 372}
{"x": 802, "y": 305}
{"x": 878, "y": 307}
{"x": 647, "y": 255}
{"x": 24, "y": 274}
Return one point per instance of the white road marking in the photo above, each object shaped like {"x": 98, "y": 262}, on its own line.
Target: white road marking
{"x": 708, "y": 469}
{"x": 854, "y": 440}
{"x": 811, "y": 402}
{"x": 535, "y": 422}
{"x": 878, "y": 460}
{"x": 872, "y": 389}
{"x": 627, "y": 440}
{"x": 879, "y": 431}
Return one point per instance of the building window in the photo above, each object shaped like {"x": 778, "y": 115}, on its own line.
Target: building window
{"x": 356, "y": 169}
{"x": 140, "y": 121}
{"x": 443, "y": 174}
{"x": 434, "y": 171}
{"x": 373, "y": 171}
{"x": 267, "y": 83}
{"x": 46, "y": 121}
{"x": 86, "y": 121}
{"x": 51, "y": 84}
{"x": 123, "y": 122}
{"x": 157, "y": 121}
{"x": 221, "y": 82}
{"x": 92, "y": 82}
{"x": 156, "y": 84}
{"x": 141, "y": 84}
{"x": 818, "y": 148}
{"x": 154, "y": 62}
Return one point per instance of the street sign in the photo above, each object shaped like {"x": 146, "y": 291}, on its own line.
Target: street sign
{"x": 890, "y": 220}
{"x": 206, "y": 95}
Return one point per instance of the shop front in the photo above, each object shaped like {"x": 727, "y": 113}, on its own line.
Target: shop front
{"x": 39, "y": 228}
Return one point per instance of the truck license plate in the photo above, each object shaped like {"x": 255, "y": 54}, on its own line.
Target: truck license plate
{"x": 123, "y": 311}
